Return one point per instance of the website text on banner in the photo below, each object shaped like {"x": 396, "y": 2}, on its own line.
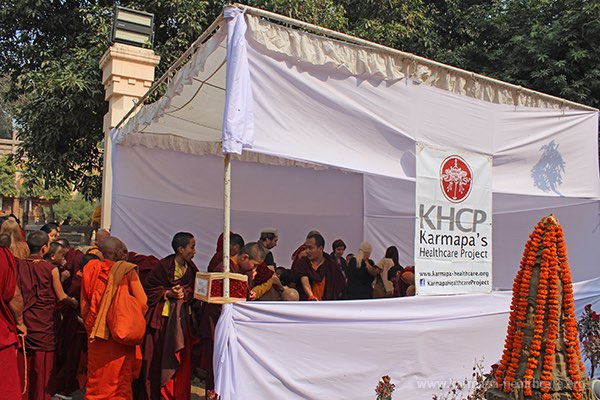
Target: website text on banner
{"x": 453, "y": 231}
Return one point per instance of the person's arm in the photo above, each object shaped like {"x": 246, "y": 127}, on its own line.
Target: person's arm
{"x": 277, "y": 283}
{"x": 386, "y": 264}
{"x": 258, "y": 291}
{"x": 64, "y": 275}
{"x": 59, "y": 291}
{"x": 307, "y": 289}
{"x": 372, "y": 269}
{"x": 16, "y": 307}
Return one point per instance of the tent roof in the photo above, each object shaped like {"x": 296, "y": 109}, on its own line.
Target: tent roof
{"x": 189, "y": 116}
{"x": 197, "y": 81}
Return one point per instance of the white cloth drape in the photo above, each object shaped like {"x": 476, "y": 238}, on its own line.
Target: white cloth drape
{"x": 339, "y": 350}
{"x": 238, "y": 116}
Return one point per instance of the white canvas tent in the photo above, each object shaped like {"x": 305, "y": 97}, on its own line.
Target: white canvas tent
{"x": 335, "y": 122}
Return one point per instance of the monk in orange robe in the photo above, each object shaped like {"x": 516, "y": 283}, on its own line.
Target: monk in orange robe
{"x": 111, "y": 366}
{"x": 11, "y": 323}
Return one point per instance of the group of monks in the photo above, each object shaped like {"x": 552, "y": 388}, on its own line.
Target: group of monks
{"x": 54, "y": 334}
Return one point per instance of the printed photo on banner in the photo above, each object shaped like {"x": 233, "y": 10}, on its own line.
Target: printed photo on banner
{"x": 453, "y": 230}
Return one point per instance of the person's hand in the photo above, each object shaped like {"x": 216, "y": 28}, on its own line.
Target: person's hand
{"x": 22, "y": 329}
{"x": 64, "y": 275}
{"x": 312, "y": 298}
{"x": 74, "y": 303}
{"x": 175, "y": 293}
{"x": 179, "y": 292}
{"x": 252, "y": 295}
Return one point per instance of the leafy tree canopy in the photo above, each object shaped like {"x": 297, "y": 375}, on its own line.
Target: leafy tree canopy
{"x": 49, "y": 51}
{"x": 75, "y": 210}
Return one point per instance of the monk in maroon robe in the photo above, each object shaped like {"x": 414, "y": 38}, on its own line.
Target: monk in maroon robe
{"x": 319, "y": 276}
{"x": 246, "y": 261}
{"x": 11, "y": 323}
{"x": 72, "y": 256}
{"x": 41, "y": 288}
{"x": 145, "y": 263}
{"x": 167, "y": 348}
{"x": 71, "y": 337}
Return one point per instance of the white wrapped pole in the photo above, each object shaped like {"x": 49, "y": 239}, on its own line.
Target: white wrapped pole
{"x": 226, "y": 221}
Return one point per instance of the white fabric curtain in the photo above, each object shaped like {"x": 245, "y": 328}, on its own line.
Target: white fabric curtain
{"x": 158, "y": 193}
{"x": 339, "y": 350}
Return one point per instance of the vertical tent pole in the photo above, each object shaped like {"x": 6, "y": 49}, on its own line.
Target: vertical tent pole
{"x": 226, "y": 221}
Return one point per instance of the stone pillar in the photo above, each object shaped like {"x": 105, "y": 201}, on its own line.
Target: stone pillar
{"x": 127, "y": 74}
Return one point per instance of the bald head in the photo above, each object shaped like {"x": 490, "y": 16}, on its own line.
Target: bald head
{"x": 290, "y": 294}
{"x": 113, "y": 249}
{"x": 101, "y": 236}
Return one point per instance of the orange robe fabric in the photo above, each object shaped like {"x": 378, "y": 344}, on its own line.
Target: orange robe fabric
{"x": 111, "y": 365}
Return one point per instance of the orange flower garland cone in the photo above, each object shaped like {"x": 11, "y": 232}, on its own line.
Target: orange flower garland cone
{"x": 541, "y": 358}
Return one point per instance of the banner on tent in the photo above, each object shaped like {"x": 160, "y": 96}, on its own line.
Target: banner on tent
{"x": 453, "y": 231}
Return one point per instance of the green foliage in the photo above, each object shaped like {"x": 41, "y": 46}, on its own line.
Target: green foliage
{"x": 550, "y": 46}
{"x": 8, "y": 187}
{"x": 76, "y": 210}
{"x": 29, "y": 186}
{"x": 49, "y": 52}
{"x": 5, "y": 125}
{"x": 401, "y": 24}
{"x": 325, "y": 13}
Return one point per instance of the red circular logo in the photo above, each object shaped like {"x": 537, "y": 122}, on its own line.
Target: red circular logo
{"x": 455, "y": 178}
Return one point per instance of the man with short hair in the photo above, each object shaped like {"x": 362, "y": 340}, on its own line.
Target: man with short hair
{"x": 111, "y": 365}
{"x": 269, "y": 238}
{"x": 72, "y": 256}
{"x": 249, "y": 257}
{"x": 266, "y": 270}
{"x": 320, "y": 277}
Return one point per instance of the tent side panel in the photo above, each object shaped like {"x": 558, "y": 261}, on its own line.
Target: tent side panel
{"x": 158, "y": 193}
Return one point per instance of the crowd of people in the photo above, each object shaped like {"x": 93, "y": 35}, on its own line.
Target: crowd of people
{"x": 68, "y": 315}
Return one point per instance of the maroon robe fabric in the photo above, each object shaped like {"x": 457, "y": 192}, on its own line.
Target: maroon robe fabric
{"x": 334, "y": 279}
{"x": 263, "y": 274}
{"x": 145, "y": 264}
{"x": 217, "y": 258}
{"x": 35, "y": 281}
{"x": 71, "y": 342}
{"x": 73, "y": 259}
{"x": 10, "y": 384}
{"x": 167, "y": 338}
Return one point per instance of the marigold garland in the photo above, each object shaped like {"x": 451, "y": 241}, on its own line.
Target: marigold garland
{"x": 544, "y": 256}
